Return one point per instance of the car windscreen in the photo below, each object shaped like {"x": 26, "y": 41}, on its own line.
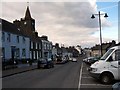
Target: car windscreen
{"x": 106, "y": 54}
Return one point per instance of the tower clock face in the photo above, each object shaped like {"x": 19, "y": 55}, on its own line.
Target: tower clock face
{"x": 32, "y": 23}
{"x": 25, "y": 23}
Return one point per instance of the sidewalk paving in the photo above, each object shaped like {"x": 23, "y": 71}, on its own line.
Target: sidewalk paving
{"x": 20, "y": 68}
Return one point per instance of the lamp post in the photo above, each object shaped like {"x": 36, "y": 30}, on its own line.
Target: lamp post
{"x": 99, "y": 19}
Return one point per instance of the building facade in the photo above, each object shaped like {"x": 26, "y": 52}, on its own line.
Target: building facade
{"x": 46, "y": 48}
{"x": 15, "y": 45}
{"x": 96, "y": 50}
{"x": 27, "y": 25}
{"x": 20, "y": 40}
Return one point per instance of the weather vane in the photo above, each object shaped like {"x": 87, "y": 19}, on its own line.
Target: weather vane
{"x": 28, "y": 4}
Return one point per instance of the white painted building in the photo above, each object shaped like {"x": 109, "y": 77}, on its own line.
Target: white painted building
{"x": 46, "y": 48}
{"x": 14, "y": 44}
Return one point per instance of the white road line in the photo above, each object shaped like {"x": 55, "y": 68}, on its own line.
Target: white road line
{"x": 84, "y": 73}
{"x": 96, "y": 85}
{"x": 86, "y": 77}
{"x": 80, "y": 77}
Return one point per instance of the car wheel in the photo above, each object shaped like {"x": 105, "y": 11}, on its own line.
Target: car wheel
{"x": 53, "y": 66}
{"x": 106, "y": 78}
{"x": 49, "y": 66}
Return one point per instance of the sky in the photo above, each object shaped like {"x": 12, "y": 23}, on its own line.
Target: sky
{"x": 68, "y": 23}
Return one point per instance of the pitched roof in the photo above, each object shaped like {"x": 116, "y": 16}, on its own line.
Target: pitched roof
{"x": 105, "y": 46}
{"x": 10, "y": 27}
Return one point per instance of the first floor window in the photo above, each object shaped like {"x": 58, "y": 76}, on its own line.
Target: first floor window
{"x": 9, "y": 37}
{"x": 17, "y": 39}
{"x": 39, "y": 46}
{"x": 31, "y": 45}
{"x": 3, "y": 36}
{"x": 34, "y": 54}
{"x": 23, "y": 39}
{"x": 30, "y": 54}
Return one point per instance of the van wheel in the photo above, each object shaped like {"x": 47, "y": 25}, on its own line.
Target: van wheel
{"x": 106, "y": 78}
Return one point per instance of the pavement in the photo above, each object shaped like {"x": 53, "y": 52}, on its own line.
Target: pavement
{"x": 20, "y": 69}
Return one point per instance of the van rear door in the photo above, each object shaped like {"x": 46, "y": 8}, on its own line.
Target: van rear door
{"x": 119, "y": 64}
{"x": 114, "y": 66}
{"x": 117, "y": 56}
{"x": 119, "y": 69}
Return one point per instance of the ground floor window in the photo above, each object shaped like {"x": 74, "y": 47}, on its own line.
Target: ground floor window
{"x": 17, "y": 53}
{"x": 40, "y": 54}
{"x": 37, "y": 55}
{"x": 3, "y": 53}
{"x": 23, "y": 53}
{"x": 34, "y": 54}
{"x": 30, "y": 54}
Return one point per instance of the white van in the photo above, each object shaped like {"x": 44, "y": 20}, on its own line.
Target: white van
{"x": 107, "y": 68}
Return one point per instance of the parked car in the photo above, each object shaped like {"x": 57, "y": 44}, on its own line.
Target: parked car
{"x": 116, "y": 86}
{"x": 46, "y": 63}
{"x": 74, "y": 60}
{"x": 90, "y": 60}
{"x": 85, "y": 60}
{"x": 107, "y": 68}
{"x": 93, "y": 60}
{"x": 70, "y": 58}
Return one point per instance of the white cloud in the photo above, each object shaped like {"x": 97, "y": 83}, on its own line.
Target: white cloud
{"x": 63, "y": 22}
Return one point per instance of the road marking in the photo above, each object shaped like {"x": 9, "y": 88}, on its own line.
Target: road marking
{"x": 96, "y": 85}
{"x": 80, "y": 77}
{"x": 84, "y": 73}
{"x": 86, "y": 77}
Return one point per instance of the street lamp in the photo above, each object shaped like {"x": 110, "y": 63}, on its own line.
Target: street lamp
{"x": 99, "y": 14}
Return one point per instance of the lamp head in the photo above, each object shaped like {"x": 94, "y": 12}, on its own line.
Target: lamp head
{"x": 92, "y": 16}
{"x": 106, "y": 15}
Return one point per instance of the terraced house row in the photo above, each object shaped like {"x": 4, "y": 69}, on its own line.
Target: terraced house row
{"x": 20, "y": 40}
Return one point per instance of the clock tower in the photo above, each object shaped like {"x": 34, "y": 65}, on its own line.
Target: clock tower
{"x": 28, "y": 21}
{"x": 26, "y": 24}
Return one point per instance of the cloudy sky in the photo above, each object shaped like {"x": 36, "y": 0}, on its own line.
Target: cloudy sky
{"x": 68, "y": 23}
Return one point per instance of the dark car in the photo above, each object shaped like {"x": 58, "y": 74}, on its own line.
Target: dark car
{"x": 46, "y": 63}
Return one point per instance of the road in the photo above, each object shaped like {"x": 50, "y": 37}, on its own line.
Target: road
{"x": 69, "y": 75}
{"x": 61, "y": 76}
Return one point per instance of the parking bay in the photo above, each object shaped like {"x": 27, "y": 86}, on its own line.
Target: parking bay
{"x": 86, "y": 81}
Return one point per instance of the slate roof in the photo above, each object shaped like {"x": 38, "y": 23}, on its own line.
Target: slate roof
{"x": 10, "y": 27}
{"x": 105, "y": 46}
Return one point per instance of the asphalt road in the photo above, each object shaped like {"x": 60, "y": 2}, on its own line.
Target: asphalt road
{"x": 70, "y": 75}
{"x": 61, "y": 76}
